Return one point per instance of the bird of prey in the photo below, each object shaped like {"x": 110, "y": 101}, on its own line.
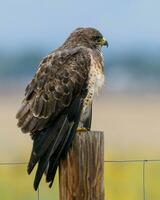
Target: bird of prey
{"x": 58, "y": 100}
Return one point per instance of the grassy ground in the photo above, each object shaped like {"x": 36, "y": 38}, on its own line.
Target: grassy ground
{"x": 131, "y": 126}
{"x": 122, "y": 182}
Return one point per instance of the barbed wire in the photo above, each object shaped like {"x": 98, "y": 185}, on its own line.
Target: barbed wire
{"x": 13, "y": 163}
{"x": 38, "y": 196}
{"x": 107, "y": 161}
{"x": 143, "y": 161}
{"x": 18, "y": 163}
{"x": 144, "y": 179}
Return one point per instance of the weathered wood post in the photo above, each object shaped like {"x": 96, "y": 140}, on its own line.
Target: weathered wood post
{"x": 81, "y": 174}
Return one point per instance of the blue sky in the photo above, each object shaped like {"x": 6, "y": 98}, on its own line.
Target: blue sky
{"x": 126, "y": 23}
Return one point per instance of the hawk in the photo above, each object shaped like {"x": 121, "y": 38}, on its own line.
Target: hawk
{"x": 58, "y": 100}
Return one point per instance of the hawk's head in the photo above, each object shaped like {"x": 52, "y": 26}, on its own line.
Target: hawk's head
{"x": 88, "y": 37}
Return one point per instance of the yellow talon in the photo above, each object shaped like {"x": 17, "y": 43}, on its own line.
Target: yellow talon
{"x": 81, "y": 129}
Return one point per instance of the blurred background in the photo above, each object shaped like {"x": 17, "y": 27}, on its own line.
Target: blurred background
{"x": 128, "y": 110}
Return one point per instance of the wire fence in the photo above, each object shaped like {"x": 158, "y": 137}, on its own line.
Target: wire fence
{"x": 18, "y": 163}
{"x": 144, "y": 162}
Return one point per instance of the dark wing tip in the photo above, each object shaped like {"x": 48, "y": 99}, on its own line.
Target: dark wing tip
{"x": 29, "y": 170}
{"x": 35, "y": 185}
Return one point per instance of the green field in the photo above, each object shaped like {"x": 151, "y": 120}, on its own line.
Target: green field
{"x": 123, "y": 181}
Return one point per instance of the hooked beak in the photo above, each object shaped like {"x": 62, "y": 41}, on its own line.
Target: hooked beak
{"x": 104, "y": 42}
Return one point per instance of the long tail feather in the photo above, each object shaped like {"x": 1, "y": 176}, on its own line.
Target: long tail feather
{"x": 51, "y": 144}
{"x": 56, "y": 156}
{"x": 42, "y": 165}
{"x": 53, "y": 164}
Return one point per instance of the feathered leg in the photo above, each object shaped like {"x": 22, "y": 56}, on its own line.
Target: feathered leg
{"x": 85, "y": 120}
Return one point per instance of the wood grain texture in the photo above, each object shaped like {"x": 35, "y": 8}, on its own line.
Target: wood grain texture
{"x": 81, "y": 174}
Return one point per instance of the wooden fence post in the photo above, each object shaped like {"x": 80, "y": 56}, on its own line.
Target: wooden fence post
{"x": 81, "y": 174}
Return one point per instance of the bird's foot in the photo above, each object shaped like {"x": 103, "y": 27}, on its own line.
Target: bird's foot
{"x": 81, "y": 130}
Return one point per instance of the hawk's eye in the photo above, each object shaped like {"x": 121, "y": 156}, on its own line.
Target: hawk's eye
{"x": 97, "y": 38}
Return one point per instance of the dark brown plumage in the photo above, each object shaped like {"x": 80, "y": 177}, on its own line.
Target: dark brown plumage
{"x": 58, "y": 98}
